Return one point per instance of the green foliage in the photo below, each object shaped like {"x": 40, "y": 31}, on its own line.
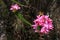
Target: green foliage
{"x": 20, "y": 16}
{"x": 39, "y": 27}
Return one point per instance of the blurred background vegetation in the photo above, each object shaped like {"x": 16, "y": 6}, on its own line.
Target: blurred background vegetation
{"x": 11, "y": 28}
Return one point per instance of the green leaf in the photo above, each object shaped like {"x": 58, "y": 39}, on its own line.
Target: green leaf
{"x": 23, "y": 19}
{"x": 17, "y": 2}
{"x": 39, "y": 27}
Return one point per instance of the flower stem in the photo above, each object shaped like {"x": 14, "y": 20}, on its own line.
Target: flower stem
{"x": 23, "y": 19}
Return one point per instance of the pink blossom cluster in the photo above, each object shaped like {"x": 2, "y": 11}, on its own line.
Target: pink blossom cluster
{"x": 14, "y": 7}
{"x": 44, "y": 22}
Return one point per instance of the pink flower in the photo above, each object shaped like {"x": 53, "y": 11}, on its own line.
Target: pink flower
{"x": 44, "y": 22}
{"x": 44, "y": 30}
{"x": 14, "y": 7}
{"x": 40, "y": 20}
{"x": 34, "y": 26}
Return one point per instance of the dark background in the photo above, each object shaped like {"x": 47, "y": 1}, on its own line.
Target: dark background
{"x": 8, "y": 20}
